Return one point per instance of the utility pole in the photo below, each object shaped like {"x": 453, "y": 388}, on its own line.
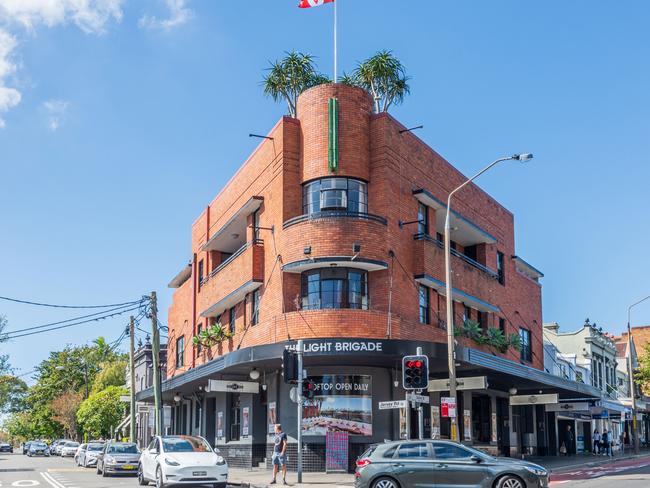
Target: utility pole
{"x": 420, "y": 407}
{"x": 155, "y": 353}
{"x": 132, "y": 367}
{"x": 300, "y": 400}
{"x": 630, "y": 368}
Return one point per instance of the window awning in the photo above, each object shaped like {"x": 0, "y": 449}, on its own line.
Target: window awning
{"x": 231, "y": 299}
{"x": 232, "y": 235}
{"x": 464, "y": 232}
{"x": 457, "y": 295}
{"x": 334, "y": 261}
{"x": 184, "y": 275}
{"x": 527, "y": 269}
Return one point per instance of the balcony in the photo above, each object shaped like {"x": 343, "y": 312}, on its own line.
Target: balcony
{"x": 232, "y": 280}
{"x": 334, "y": 214}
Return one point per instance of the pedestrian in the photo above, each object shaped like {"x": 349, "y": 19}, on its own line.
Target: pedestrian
{"x": 596, "y": 442}
{"x": 606, "y": 443}
{"x": 279, "y": 458}
{"x": 568, "y": 440}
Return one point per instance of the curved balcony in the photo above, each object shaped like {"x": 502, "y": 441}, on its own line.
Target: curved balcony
{"x": 334, "y": 214}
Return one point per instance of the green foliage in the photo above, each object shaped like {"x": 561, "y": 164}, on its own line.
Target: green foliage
{"x": 289, "y": 77}
{"x": 110, "y": 374}
{"x": 496, "y": 339}
{"x": 384, "y": 77}
{"x": 102, "y": 411}
{"x": 642, "y": 375}
{"x": 211, "y": 336}
{"x": 514, "y": 341}
{"x": 472, "y": 330}
{"x": 13, "y": 391}
{"x": 64, "y": 408}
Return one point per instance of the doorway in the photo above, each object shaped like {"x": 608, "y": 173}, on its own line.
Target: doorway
{"x": 551, "y": 433}
{"x": 503, "y": 426}
{"x": 210, "y": 420}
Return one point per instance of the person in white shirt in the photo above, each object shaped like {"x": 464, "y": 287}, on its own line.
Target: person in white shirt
{"x": 596, "y": 439}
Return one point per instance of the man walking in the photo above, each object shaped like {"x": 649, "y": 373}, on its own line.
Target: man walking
{"x": 279, "y": 458}
{"x": 606, "y": 443}
{"x": 568, "y": 440}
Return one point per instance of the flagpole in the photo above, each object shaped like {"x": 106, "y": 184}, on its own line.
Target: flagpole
{"x": 335, "y": 60}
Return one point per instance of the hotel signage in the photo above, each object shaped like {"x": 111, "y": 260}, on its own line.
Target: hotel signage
{"x": 569, "y": 407}
{"x": 332, "y": 346}
{"x": 534, "y": 399}
{"x": 233, "y": 386}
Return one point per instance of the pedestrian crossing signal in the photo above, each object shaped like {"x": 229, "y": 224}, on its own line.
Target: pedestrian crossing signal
{"x": 415, "y": 372}
{"x": 290, "y": 366}
{"x": 308, "y": 389}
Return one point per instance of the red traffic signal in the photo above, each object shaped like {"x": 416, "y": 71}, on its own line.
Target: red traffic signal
{"x": 415, "y": 372}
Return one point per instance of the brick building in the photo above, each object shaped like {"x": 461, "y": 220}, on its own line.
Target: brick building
{"x": 331, "y": 232}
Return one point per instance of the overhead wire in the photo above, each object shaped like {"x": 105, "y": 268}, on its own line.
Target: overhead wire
{"x": 39, "y": 304}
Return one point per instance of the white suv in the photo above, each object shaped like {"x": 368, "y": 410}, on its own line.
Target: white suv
{"x": 182, "y": 460}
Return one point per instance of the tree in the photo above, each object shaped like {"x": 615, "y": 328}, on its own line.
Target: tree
{"x": 13, "y": 391}
{"x": 102, "y": 411}
{"x": 383, "y": 76}
{"x": 289, "y": 77}
{"x": 642, "y": 375}
{"x": 65, "y": 408}
{"x": 110, "y": 374}
{"x": 4, "y": 359}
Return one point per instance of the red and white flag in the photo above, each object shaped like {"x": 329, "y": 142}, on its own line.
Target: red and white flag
{"x": 313, "y": 3}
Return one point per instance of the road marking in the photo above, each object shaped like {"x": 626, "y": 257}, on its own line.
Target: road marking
{"x": 51, "y": 480}
{"x": 25, "y": 483}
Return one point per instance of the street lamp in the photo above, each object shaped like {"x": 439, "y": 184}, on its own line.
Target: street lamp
{"x": 631, "y": 372}
{"x": 451, "y": 351}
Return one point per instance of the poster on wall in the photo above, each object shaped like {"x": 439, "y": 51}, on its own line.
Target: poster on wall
{"x": 448, "y": 407}
{"x": 272, "y": 417}
{"x": 403, "y": 434}
{"x": 219, "y": 425}
{"x": 435, "y": 422}
{"x": 341, "y": 403}
{"x": 467, "y": 425}
{"x": 494, "y": 427}
{"x": 245, "y": 419}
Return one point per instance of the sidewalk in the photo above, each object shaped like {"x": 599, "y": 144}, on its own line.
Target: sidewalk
{"x": 564, "y": 464}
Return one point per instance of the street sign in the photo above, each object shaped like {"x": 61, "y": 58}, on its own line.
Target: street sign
{"x": 293, "y": 394}
{"x": 143, "y": 408}
{"x": 393, "y": 404}
{"x": 233, "y": 386}
{"x": 534, "y": 399}
{"x": 568, "y": 407}
{"x": 448, "y": 407}
{"x": 413, "y": 397}
{"x": 469, "y": 383}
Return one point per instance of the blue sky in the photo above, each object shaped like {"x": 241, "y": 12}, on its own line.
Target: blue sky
{"x": 133, "y": 114}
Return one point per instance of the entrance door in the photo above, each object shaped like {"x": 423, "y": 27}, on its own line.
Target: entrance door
{"x": 552, "y": 434}
{"x": 542, "y": 436}
{"x": 210, "y": 420}
{"x": 503, "y": 426}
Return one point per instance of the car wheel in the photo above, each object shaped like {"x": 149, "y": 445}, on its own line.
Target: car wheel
{"x": 385, "y": 482}
{"x": 159, "y": 478}
{"x": 141, "y": 479}
{"x": 510, "y": 481}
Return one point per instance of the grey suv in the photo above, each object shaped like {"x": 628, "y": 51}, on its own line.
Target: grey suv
{"x": 442, "y": 464}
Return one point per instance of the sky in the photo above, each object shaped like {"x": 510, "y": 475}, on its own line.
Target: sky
{"x": 122, "y": 119}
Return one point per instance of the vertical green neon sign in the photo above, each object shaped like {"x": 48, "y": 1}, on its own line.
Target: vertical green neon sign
{"x": 333, "y": 135}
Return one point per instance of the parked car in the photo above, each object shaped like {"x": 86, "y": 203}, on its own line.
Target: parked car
{"x": 6, "y": 447}
{"x": 118, "y": 457}
{"x": 26, "y": 446}
{"x": 445, "y": 463}
{"x": 80, "y": 450}
{"x": 38, "y": 448}
{"x": 59, "y": 446}
{"x": 88, "y": 457}
{"x": 182, "y": 460}
{"x": 68, "y": 449}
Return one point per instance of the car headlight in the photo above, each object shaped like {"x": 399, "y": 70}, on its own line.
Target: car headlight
{"x": 171, "y": 462}
{"x": 109, "y": 460}
{"x": 220, "y": 461}
{"x": 537, "y": 471}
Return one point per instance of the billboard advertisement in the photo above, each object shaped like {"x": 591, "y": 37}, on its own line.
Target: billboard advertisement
{"x": 341, "y": 403}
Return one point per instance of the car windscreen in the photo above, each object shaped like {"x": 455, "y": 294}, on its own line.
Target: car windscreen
{"x": 122, "y": 449}
{"x": 71, "y": 444}
{"x": 185, "y": 444}
{"x": 95, "y": 447}
{"x": 39, "y": 445}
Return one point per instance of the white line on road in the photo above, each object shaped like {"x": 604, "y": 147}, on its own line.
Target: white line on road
{"x": 51, "y": 480}
{"x": 25, "y": 483}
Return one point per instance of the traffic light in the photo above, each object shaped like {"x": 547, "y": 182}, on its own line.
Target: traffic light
{"x": 290, "y": 366}
{"x": 415, "y": 372}
{"x": 308, "y": 389}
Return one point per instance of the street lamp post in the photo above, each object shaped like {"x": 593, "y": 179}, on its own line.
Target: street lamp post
{"x": 630, "y": 369}
{"x": 451, "y": 350}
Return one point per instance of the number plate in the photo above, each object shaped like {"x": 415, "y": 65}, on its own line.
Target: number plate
{"x": 199, "y": 473}
{"x": 129, "y": 466}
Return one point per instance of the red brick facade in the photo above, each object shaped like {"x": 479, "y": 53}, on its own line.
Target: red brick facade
{"x": 394, "y": 165}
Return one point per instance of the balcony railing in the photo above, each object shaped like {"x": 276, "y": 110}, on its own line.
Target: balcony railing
{"x": 334, "y": 214}
{"x": 230, "y": 259}
{"x": 426, "y": 237}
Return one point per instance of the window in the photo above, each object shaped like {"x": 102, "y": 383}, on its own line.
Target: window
{"x": 199, "y": 328}
{"x": 500, "y": 268}
{"x": 335, "y": 194}
{"x": 197, "y": 414}
{"x": 450, "y": 451}
{"x": 410, "y": 451}
{"x": 256, "y": 224}
{"x": 482, "y": 319}
{"x": 423, "y": 292}
{"x": 467, "y": 313}
{"x": 526, "y": 349}
{"x": 334, "y": 288}
{"x": 200, "y": 274}
{"x": 180, "y": 351}
{"x": 423, "y": 219}
{"x": 231, "y": 323}
{"x": 502, "y": 324}
{"x": 255, "y": 307}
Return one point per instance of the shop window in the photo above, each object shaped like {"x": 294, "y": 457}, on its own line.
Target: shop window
{"x": 344, "y": 194}
{"x": 526, "y": 347}
{"x": 180, "y": 352}
{"x": 501, "y": 268}
{"x": 481, "y": 419}
{"x": 331, "y": 288}
{"x": 423, "y": 219}
{"x": 423, "y": 292}
{"x": 235, "y": 417}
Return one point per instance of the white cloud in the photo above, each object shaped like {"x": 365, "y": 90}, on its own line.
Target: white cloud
{"x": 179, "y": 14}
{"x": 91, "y": 16}
{"x": 55, "y": 113}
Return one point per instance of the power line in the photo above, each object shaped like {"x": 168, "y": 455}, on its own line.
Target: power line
{"x": 120, "y": 312}
{"x": 27, "y": 302}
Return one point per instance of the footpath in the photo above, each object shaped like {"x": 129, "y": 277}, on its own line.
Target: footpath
{"x": 260, "y": 477}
